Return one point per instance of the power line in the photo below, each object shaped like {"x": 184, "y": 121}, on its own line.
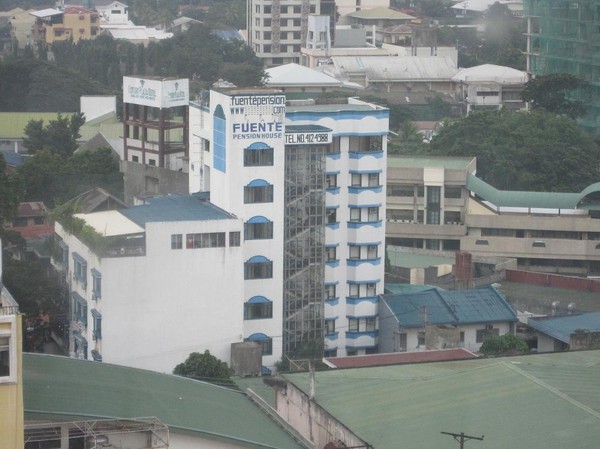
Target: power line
{"x": 461, "y": 438}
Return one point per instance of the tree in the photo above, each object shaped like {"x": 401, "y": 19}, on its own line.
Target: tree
{"x": 559, "y": 93}
{"x": 59, "y": 136}
{"x": 10, "y": 192}
{"x": 507, "y": 344}
{"x": 532, "y": 151}
{"x": 205, "y": 367}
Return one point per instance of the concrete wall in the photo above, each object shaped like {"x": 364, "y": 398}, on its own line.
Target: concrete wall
{"x": 141, "y": 179}
{"x": 311, "y": 421}
{"x": 553, "y": 280}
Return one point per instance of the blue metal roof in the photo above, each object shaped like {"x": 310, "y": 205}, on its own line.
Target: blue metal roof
{"x": 483, "y": 305}
{"x": 175, "y": 208}
{"x": 12, "y": 159}
{"x": 562, "y": 327}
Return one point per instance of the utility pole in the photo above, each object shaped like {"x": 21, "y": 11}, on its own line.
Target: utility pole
{"x": 461, "y": 438}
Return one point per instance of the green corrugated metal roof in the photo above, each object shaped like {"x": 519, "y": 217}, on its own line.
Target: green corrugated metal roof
{"x": 422, "y": 162}
{"x": 508, "y": 198}
{"x": 549, "y": 401}
{"x": 406, "y": 288}
{"x": 54, "y": 386}
{"x": 12, "y": 124}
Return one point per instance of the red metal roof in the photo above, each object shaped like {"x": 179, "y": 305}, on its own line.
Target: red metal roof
{"x": 399, "y": 358}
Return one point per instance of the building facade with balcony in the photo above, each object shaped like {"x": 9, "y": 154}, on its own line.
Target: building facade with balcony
{"x": 439, "y": 204}
{"x": 72, "y": 23}
{"x": 157, "y": 282}
{"x": 308, "y": 180}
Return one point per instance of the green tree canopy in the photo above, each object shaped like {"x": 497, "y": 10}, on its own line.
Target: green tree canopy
{"x": 59, "y": 136}
{"x": 10, "y": 192}
{"x": 507, "y": 344}
{"x": 532, "y": 151}
{"x": 559, "y": 93}
{"x": 205, "y": 367}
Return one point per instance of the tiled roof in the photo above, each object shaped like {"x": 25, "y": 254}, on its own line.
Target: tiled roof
{"x": 562, "y": 327}
{"x": 399, "y": 358}
{"x": 536, "y": 401}
{"x": 65, "y": 389}
{"x": 483, "y": 305}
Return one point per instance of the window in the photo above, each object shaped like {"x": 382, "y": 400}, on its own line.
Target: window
{"x": 258, "y": 191}
{"x": 205, "y": 240}
{"x": 96, "y": 284}
{"x": 452, "y": 192}
{"x": 482, "y": 334}
{"x": 365, "y": 144}
{"x": 258, "y": 267}
{"x": 331, "y": 214}
{"x": 234, "y": 238}
{"x": 433, "y": 205}
{"x": 79, "y": 309}
{"x": 334, "y": 146}
{"x": 296, "y": 35}
{"x": 258, "y": 308}
{"x": 330, "y": 181}
{"x": 329, "y": 327}
{"x": 373, "y": 180}
{"x": 295, "y": 9}
{"x": 267, "y": 35}
{"x": 7, "y": 366}
{"x": 355, "y": 179}
{"x": 297, "y": 22}
{"x": 267, "y": 22}
{"x": 372, "y": 252}
{"x": 370, "y": 289}
{"x": 267, "y": 48}
{"x": 152, "y": 162}
{"x": 264, "y": 341}
{"x": 421, "y": 338}
{"x": 373, "y": 214}
{"x": 258, "y": 228}
{"x": 353, "y": 290}
{"x": 176, "y": 241}
{"x": 258, "y": 155}
{"x": 97, "y": 329}
{"x": 361, "y": 324}
{"x": 267, "y": 9}
{"x": 330, "y": 291}
{"x": 354, "y": 252}
{"x": 80, "y": 270}
{"x": 219, "y": 140}
{"x": 330, "y": 254}
{"x": 354, "y": 214}
{"x": 135, "y": 159}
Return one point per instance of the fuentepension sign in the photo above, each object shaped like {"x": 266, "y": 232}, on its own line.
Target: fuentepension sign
{"x": 257, "y": 117}
{"x": 156, "y": 93}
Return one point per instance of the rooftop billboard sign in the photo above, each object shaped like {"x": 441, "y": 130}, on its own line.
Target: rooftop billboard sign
{"x": 156, "y": 93}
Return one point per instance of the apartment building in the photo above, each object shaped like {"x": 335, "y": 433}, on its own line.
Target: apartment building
{"x": 153, "y": 283}
{"x": 308, "y": 181}
{"x": 439, "y": 204}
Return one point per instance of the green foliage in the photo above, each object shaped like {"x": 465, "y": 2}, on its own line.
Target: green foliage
{"x": 205, "y": 367}
{"x": 54, "y": 178}
{"x": 559, "y": 93}
{"x": 33, "y": 85}
{"x": 532, "y": 151}
{"x": 408, "y": 141}
{"x": 507, "y": 344}
{"x": 59, "y": 136}
{"x": 10, "y": 192}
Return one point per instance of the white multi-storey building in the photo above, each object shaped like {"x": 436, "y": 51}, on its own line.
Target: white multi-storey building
{"x": 165, "y": 281}
{"x": 308, "y": 180}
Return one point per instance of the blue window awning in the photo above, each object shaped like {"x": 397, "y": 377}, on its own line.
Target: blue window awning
{"x": 258, "y": 219}
{"x": 258, "y": 259}
{"x": 258, "y": 299}
{"x": 79, "y": 259}
{"x": 258, "y": 146}
{"x": 95, "y": 273}
{"x": 258, "y": 183}
{"x": 96, "y": 314}
{"x": 258, "y": 337}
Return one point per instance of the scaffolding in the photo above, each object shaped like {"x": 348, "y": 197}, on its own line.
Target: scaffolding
{"x": 564, "y": 37}
{"x": 150, "y": 432}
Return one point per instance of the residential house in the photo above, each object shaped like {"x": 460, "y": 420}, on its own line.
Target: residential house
{"x": 438, "y": 319}
{"x": 567, "y": 332}
{"x": 72, "y": 23}
{"x": 31, "y": 221}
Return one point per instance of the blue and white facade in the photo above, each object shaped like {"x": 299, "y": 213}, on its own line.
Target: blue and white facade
{"x": 308, "y": 181}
